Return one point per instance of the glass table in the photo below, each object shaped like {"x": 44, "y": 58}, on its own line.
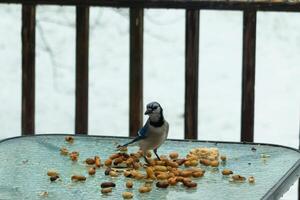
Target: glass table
{"x": 25, "y": 161}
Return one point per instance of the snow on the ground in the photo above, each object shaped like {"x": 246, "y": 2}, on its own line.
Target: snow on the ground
{"x": 277, "y": 74}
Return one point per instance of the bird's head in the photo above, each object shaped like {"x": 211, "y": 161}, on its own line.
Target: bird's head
{"x": 155, "y": 112}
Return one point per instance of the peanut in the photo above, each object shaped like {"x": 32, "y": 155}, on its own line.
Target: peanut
{"x": 127, "y": 195}
{"x": 251, "y": 179}
{"x": 108, "y": 162}
{"x": 214, "y": 163}
{"x": 129, "y": 184}
{"x": 78, "y": 178}
{"x": 181, "y": 161}
{"x": 190, "y": 184}
{"x": 106, "y": 190}
{"x": 118, "y": 160}
{"x": 74, "y": 155}
{"x": 113, "y": 173}
{"x": 223, "y": 158}
{"x": 144, "y": 189}
{"x": 197, "y": 174}
{"x": 92, "y": 171}
{"x": 90, "y": 161}
{"x": 172, "y": 181}
{"x": 52, "y": 173}
{"x": 172, "y": 164}
{"x": 150, "y": 173}
{"x": 107, "y": 184}
{"x": 173, "y": 155}
{"x": 97, "y": 161}
{"x": 186, "y": 173}
{"x": 64, "y": 151}
{"x": 194, "y": 163}
{"x": 162, "y": 184}
{"x": 205, "y": 162}
{"x": 69, "y": 139}
{"x": 227, "y": 172}
{"x": 160, "y": 168}
{"x": 127, "y": 173}
{"x": 238, "y": 178}
{"x": 162, "y": 176}
{"x": 114, "y": 156}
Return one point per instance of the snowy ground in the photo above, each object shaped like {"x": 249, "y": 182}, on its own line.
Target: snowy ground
{"x": 277, "y": 113}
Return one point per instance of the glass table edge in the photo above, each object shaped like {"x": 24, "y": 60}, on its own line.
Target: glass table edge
{"x": 275, "y": 192}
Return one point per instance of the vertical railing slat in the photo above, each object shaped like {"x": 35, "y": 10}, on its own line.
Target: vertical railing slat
{"x": 28, "y": 69}
{"x": 82, "y": 69}
{"x": 248, "y": 76}
{"x": 136, "y": 70}
{"x": 191, "y": 74}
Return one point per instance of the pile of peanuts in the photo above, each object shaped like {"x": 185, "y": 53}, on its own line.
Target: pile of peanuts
{"x": 170, "y": 170}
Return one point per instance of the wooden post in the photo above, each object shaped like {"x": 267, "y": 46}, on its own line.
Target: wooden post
{"x": 191, "y": 74}
{"x": 136, "y": 70}
{"x": 248, "y": 76}
{"x": 28, "y": 69}
{"x": 82, "y": 69}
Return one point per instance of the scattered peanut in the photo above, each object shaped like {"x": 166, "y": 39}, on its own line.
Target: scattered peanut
{"x": 193, "y": 162}
{"x": 238, "y": 178}
{"x": 122, "y": 148}
{"x": 92, "y": 171}
{"x": 113, "y": 173}
{"x": 90, "y": 161}
{"x": 107, "y": 184}
{"x": 160, "y": 168}
{"x": 129, "y": 184}
{"x": 162, "y": 184}
{"x": 127, "y": 173}
{"x": 172, "y": 181}
{"x": 214, "y": 163}
{"x": 127, "y": 195}
{"x": 106, "y": 190}
{"x": 52, "y": 173}
{"x": 162, "y": 176}
{"x": 144, "y": 189}
{"x": 173, "y": 155}
{"x": 108, "y": 162}
{"x": 227, "y": 172}
{"x": 64, "y": 151}
{"x": 190, "y": 184}
{"x": 197, "y": 174}
{"x": 97, "y": 161}
{"x": 251, "y": 179}
{"x": 74, "y": 155}
{"x": 118, "y": 160}
{"x": 181, "y": 161}
{"x": 69, "y": 139}
{"x": 223, "y": 158}
{"x": 186, "y": 173}
{"x": 78, "y": 178}
{"x": 150, "y": 173}
{"x": 205, "y": 162}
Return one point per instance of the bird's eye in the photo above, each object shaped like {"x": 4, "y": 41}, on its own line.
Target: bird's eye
{"x": 154, "y": 107}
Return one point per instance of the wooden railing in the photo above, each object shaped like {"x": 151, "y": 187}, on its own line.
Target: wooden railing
{"x": 136, "y": 7}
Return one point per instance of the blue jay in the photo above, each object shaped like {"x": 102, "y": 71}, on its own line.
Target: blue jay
{"x": 155, "y": 131}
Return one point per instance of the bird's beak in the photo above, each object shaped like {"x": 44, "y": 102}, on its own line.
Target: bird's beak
{"x": 148, "y": 111}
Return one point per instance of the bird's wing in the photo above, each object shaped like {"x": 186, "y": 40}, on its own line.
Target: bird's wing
{"x": 142, "y": 134}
